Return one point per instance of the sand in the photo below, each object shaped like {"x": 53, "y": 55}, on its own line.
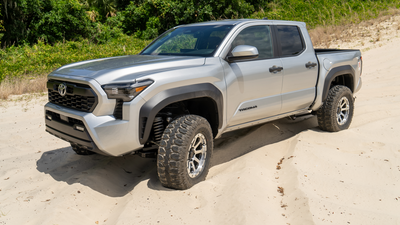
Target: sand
{"x": 283, "y": 172}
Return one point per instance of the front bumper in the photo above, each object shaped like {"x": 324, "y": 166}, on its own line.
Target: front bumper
{"x": 101, "y": 134}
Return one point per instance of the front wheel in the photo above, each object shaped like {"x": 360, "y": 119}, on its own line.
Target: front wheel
{"x": 338, "y": 109}
{"x": 185, "y": 152}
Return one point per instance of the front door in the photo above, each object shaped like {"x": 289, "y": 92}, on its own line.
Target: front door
{"x": 253, "y": 91}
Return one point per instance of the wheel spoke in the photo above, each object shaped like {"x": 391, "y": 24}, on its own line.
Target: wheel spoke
{"x": 196, "y": 159}
{"x": 197, "y": 144}
{"x": 199, "y": 151}
{"x": 191, "y": 166}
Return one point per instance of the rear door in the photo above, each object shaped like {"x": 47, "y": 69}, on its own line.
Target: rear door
{"x": 300, "y": 65}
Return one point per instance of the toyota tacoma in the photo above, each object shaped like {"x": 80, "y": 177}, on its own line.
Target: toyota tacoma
{"x": 194, "y": 83}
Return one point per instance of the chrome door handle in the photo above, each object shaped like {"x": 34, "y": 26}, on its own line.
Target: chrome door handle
{"x": 310, "y": 65}
{"x": 275, "y": 69}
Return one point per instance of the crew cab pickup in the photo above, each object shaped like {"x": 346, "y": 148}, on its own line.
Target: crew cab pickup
{"x": 194, "y": 83}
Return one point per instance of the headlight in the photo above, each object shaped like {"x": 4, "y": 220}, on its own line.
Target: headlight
{"x": 125, "y": 91}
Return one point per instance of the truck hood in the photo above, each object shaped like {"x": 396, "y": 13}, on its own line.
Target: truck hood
{"x": 126, "y": 68}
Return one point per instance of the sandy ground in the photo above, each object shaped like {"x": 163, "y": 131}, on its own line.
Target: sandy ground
{"x": 283, "y": 172}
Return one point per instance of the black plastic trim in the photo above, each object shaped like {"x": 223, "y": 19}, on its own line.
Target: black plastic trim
{"x": 335, "y": 72}
{"x": 66, "y": 131}
{"x": 70, "y": 130}
{"x": 277, "y": 43}
{"x": 150, "y": 109}
{"x": 87, "y": 98}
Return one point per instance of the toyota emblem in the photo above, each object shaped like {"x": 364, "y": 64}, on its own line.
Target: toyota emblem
{"x": 62, "y": 89}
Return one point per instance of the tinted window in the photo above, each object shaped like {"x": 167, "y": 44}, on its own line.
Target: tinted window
{"x": 259, "y": 37}
{"x": 189, "y": 41}
{"x": 290, "y": 39}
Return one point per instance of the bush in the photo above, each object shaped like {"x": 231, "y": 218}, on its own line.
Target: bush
{"x": 67, "y": 20}
{"x": 51, "y": 21}
{"x": 17, "y": 18}
{"x": 38, "y": 59}
{"x": 148, "y": 18}
{"x": 327, "y": 12}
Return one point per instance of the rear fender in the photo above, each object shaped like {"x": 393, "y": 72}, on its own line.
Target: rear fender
{"x": 335, "y": 72}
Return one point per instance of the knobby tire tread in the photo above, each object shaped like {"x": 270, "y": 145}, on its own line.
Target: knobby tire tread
{"x": 326, "y": 115}
{"x": 172, "y": 153}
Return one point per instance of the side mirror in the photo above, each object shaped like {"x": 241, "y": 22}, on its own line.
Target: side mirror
{"x": 243, "y": 52}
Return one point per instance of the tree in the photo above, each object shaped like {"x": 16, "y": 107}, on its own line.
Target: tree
{"x": 17, "y": 16}
{"x": 26, "y": 21}
{"x": 149, "y": 18}
{"x": 105, "y": 8}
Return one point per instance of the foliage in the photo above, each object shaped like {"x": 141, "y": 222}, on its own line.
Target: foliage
{"x": 51, "y": 21}
{"x": 1, "y": 21}
{"x": 17, "y": 17}
{"x": 66, "y": 20}
{"x": 325, "y": 12}
{"x": 148, "y": 18}
{"x": 40, "y": 58}
{"x": 105, "y": 8}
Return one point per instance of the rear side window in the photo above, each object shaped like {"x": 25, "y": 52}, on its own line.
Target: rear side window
{"x": 291, "y": 41}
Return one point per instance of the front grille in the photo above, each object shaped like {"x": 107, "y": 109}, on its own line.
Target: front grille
{"x": 78, "y": 96}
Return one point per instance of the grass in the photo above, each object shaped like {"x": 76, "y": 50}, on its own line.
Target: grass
{"x": 364, "y": 33}
{"x": 327, "y": 12}
{"x": 24, "y": 68}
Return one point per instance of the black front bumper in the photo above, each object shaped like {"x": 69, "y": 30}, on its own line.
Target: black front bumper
{"x": 66, "y": 128}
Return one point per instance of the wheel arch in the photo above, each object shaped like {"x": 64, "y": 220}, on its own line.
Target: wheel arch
{"x": 205, "y": 92}
{"x": 341, "y": 75}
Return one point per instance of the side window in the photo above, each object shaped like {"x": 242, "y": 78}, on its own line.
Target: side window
{"x": 259, "y": 37}
{"x": 290, "y": 39}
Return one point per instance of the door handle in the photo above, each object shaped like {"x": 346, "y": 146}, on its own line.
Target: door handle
{"x": 275, "y": 69}
{"x": 310, "y": 65}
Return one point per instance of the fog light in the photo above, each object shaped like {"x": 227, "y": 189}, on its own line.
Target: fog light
{"x": 80, "y": 128}
{"x": 48, "y": 117}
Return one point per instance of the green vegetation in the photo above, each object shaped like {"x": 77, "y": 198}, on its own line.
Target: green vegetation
{"x": 31, "y": 61}
{"x": 326, "y": 12}
{"x": 37, "y": 36}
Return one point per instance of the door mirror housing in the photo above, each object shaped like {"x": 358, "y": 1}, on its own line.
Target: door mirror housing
{"x": 243, "y": 52}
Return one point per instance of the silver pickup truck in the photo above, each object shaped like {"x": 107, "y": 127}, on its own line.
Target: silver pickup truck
{"x": 194, "y": 83}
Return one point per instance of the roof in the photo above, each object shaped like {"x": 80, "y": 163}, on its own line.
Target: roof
{"x": 239, "y": 21}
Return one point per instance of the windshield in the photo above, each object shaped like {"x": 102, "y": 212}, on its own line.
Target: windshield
{"x": 189, "y": 41}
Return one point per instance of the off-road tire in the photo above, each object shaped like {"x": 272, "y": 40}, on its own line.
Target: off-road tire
{"x": 81, "y": 151}
{"x": 175, "y": 151}
{"x": 329, "y": 118}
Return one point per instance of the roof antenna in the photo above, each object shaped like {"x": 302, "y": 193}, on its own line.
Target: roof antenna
{"x": 265, "y": 18}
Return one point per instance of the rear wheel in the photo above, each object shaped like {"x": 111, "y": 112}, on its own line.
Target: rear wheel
{"x": 185, "y": 151}
{"x": 337, "y": 112}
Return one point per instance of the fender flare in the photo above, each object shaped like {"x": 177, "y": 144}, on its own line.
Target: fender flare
{"x": 335, "y": 72}
{"x": 155, "y": 104}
